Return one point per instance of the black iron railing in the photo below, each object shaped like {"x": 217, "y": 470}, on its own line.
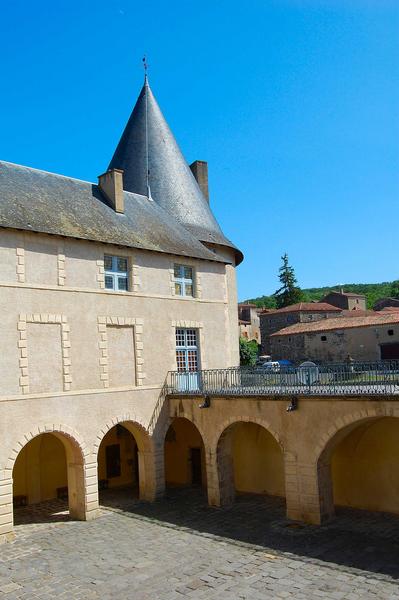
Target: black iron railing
{"x": 354, "y": 379}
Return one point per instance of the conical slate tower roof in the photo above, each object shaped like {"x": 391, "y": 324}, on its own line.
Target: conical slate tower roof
{"x": 147, "y": 142}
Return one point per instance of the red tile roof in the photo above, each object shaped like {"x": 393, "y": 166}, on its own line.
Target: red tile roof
{"x": 305, "y": 307}
{"x": 358, "y": 313}
{"x": 339, "y": 323}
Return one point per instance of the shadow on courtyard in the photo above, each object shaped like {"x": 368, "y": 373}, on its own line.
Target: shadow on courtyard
{"x": 355, "y": 539}
{"x": 38, "y": 516}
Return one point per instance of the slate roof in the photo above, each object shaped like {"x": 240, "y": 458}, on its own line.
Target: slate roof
{"x": 172, "y": 184}
{"x": 304, "y": 307}
{"x": 34, "y": 200}
{"x": 339, "y": 323}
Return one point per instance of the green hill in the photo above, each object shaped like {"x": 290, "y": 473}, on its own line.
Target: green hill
{"x": 372, "y": 291}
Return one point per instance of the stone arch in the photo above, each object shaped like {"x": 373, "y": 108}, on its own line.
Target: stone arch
{"x": 182, "y": 415}
{"x": 222, "y": 451}
{"x": 222, "y": 429}
{"x": 76, "y": 460}
{"x": 136, "y": 427}
{"x": 181, "y": 464}
{"x": 148, "y": 453}
{"x": 62, "y": 430}
{"x": 339, "y": 430}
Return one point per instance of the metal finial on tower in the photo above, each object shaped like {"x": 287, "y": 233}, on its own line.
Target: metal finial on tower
{"x": 147, "y": 166}
{"x": 145, "y": 65}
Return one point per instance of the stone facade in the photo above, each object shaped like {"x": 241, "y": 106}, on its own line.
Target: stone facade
{"x": 73, "y": 332}
{"x": 249, "y": 322}
{"x": 272, "y": 321}
{"x": 346, "y": 300}
{"x": 374, "y": 342}
{"x": 66, "y": 337}
{"x": 307, "y": 441}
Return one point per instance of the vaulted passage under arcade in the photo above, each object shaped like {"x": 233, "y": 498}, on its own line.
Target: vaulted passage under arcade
{"x": 48, "y": 482}
{"x": 118, "y": 466}
{"x": 365, "y": 467}
{"x": 249, "y": 460}
{"x": 184, "y": 455}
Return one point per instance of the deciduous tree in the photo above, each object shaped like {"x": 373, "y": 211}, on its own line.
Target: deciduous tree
{"x": 248, "y": 351}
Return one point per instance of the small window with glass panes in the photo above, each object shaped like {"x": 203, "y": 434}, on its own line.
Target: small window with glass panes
{"x": 116, "y": 273}
{"x": 184, "y": 280}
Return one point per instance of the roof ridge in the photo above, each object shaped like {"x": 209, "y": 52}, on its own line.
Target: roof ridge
{"x": 308, "y": 306}
{"x": 78, "y": 211}
{"x": 6, "y": 162}
{"x": 334, "y": 323}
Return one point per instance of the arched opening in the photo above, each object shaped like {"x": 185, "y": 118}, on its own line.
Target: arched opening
{"x": 250, "y": 461}
{"x": 48, "y": 480}
{"x": 184, "y": 456}
{"x": 361, "y": 466}
{"x": 122, "y": 465}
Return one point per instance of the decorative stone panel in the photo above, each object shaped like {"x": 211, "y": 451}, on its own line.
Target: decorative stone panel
{"x": 172, "y": 279}
{"x": 188, "y": 324}
{"x": 61, "y": 264}
{"x": 20, "y": 252}
{"x": 137, "y": 325}
{"x": 136, "y": 280}
{"x": 100, "y": 273}
{"x": 197, "y": 284}
{"x": 44, "y": 318}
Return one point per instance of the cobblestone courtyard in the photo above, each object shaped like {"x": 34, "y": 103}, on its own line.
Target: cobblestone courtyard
{"x": 179, "y": 548}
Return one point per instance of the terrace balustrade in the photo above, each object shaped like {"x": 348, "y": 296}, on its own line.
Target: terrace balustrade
{"x": 353, "y": 379}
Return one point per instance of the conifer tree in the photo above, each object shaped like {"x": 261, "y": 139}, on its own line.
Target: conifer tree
{"x": 289, "y": 293}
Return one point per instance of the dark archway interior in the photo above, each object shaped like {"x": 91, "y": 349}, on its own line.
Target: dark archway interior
{"x": 118, "y": 466}
{"x": 365, "y": 467}
{"x": 184, "y": 455}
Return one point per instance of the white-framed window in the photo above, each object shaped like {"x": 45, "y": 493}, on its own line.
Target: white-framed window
{"x": 116, "y": 273}
{"x": 184, "y": 282}
{"x": 187, "y": 350}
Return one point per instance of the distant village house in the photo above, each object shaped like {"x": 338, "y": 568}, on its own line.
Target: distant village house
{"x": 248, "y": 321}
{"x": 346, "y": 300}
{"x": 370, "y": 338}
{"x": 272, "y": 321}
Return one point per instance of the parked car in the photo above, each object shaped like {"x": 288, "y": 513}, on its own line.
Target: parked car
{"x": 270, "y": 366}
{"x": 285, "y": 363}
{"x": 262, "y": 359}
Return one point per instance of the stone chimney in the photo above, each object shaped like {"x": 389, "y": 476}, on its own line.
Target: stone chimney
{"x": 199, "y": 169}
{"x": 111, "y": 185}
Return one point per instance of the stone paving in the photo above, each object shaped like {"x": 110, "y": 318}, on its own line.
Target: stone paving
{"x": 179, "y": 548}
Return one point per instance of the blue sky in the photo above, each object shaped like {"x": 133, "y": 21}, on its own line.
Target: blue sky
{"x": 294, "y": 104}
